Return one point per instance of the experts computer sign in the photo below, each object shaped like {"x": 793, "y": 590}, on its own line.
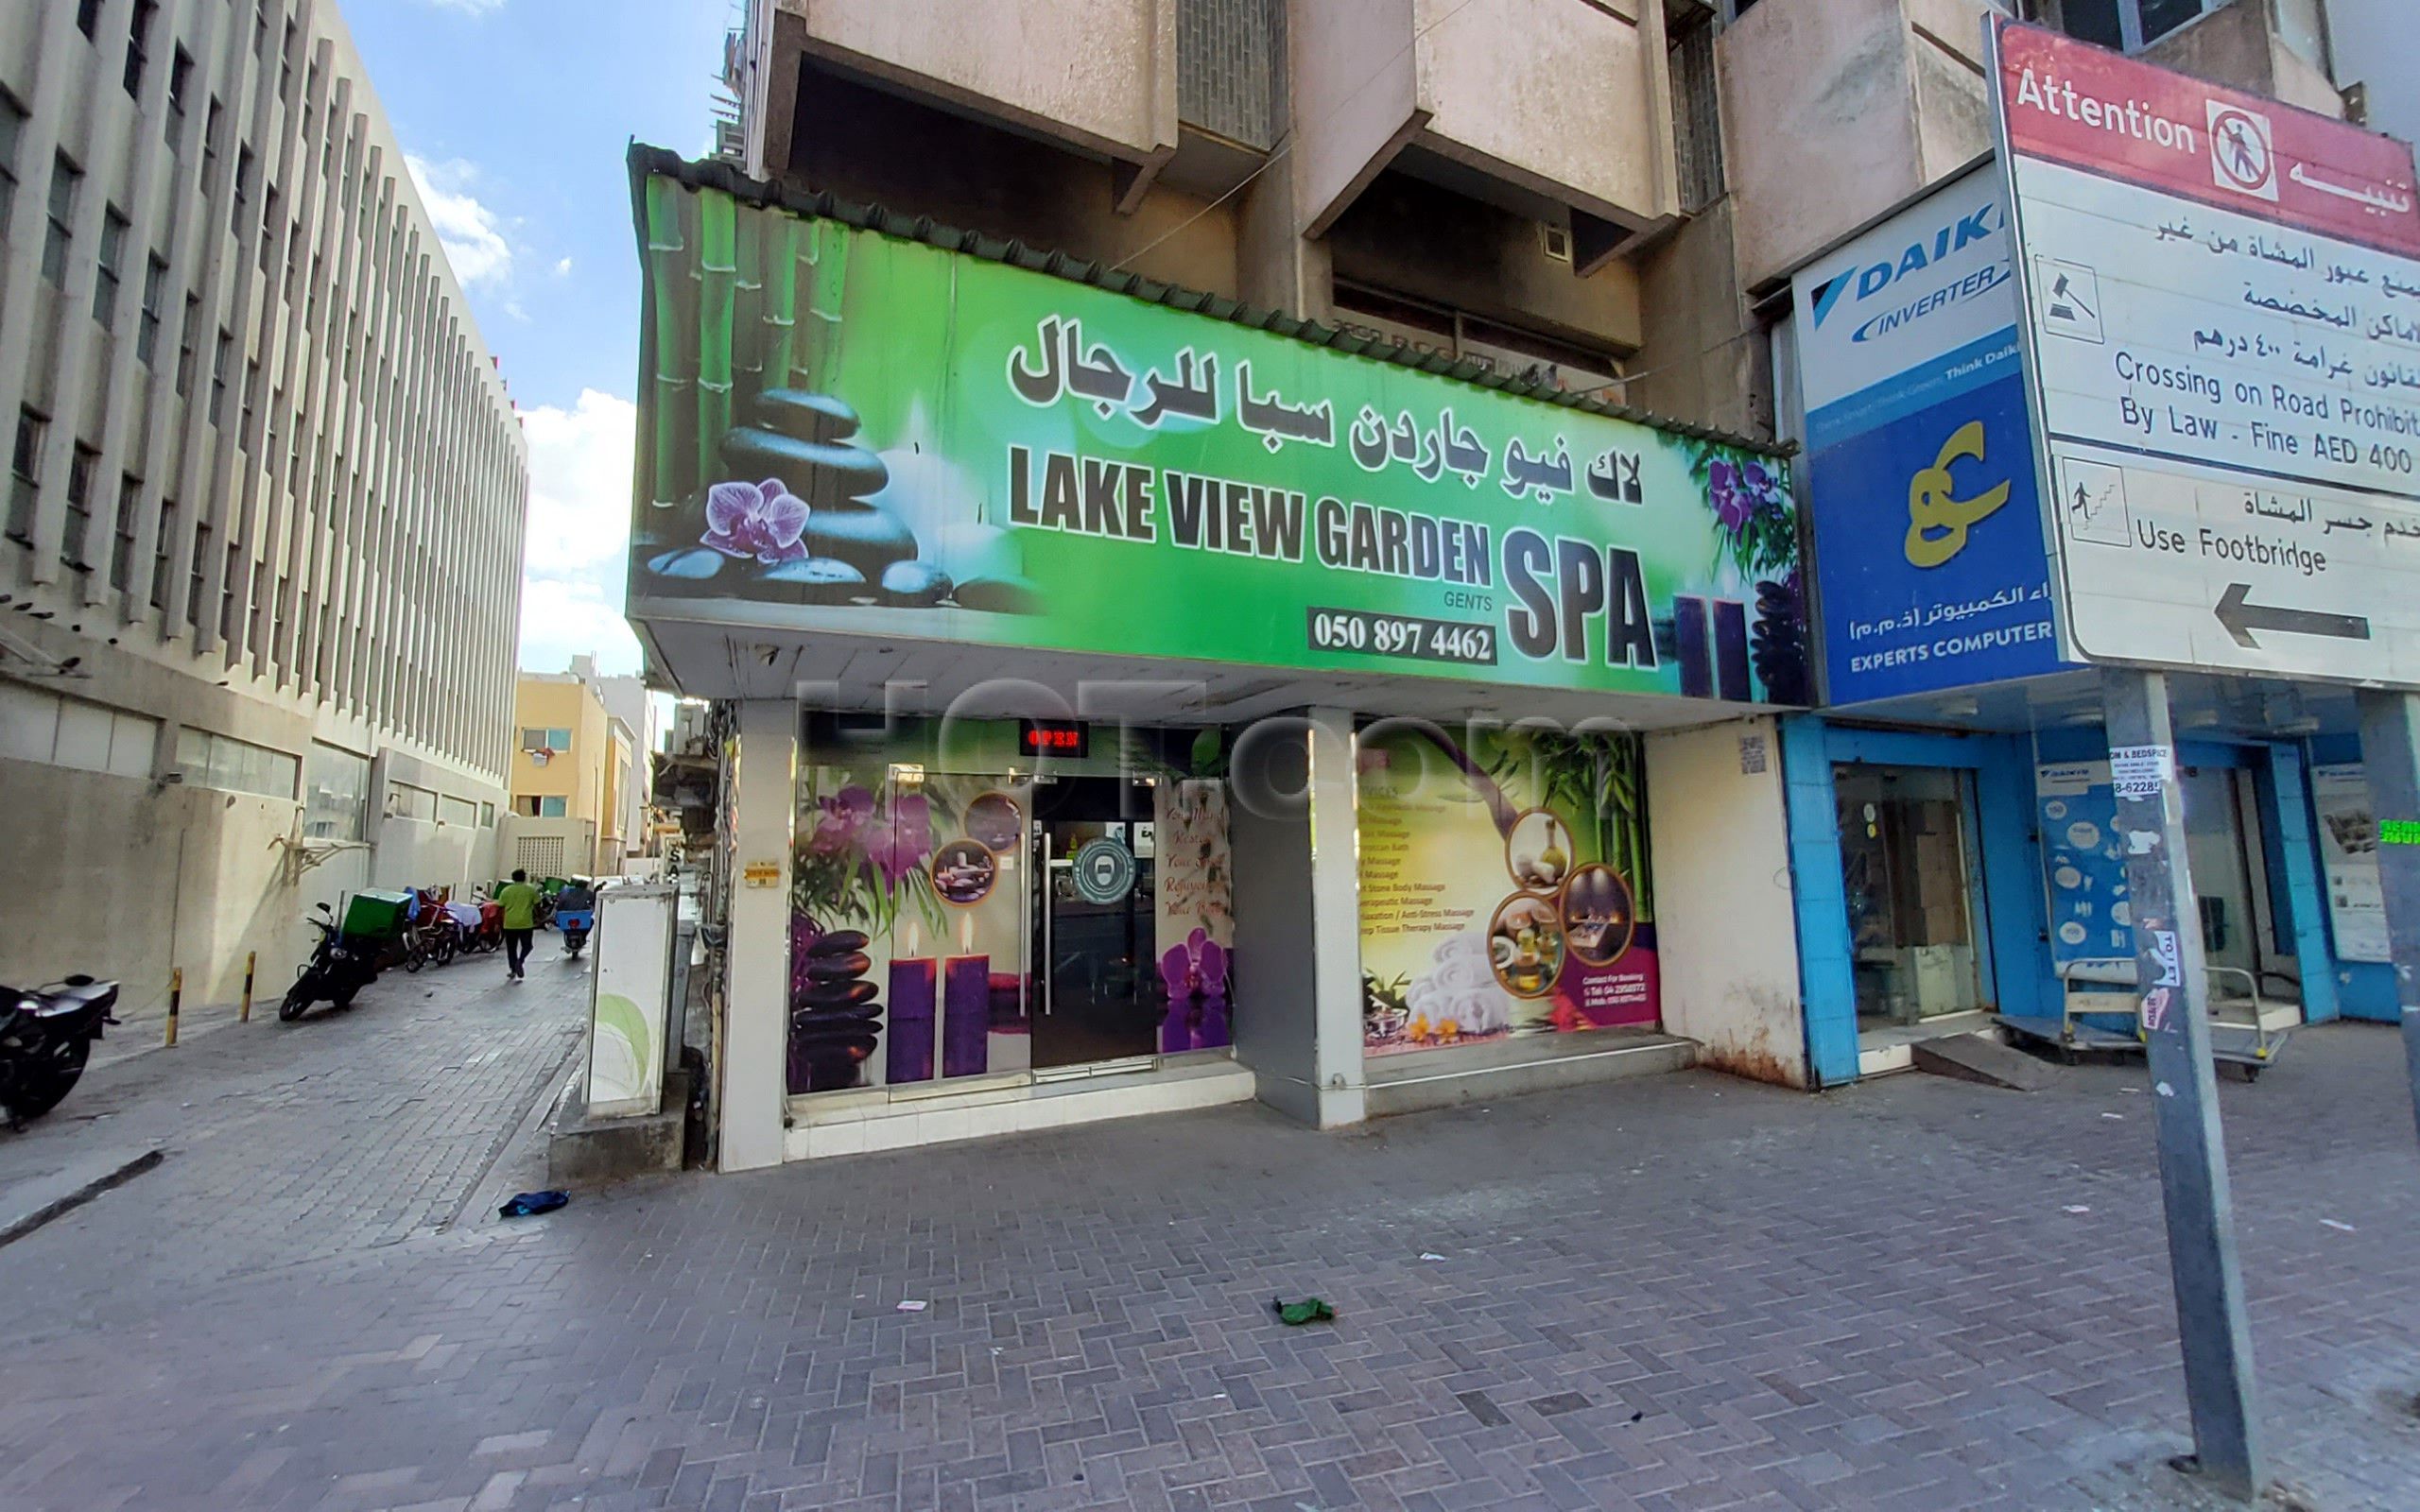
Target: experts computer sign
{"x": 1919, "y": 470}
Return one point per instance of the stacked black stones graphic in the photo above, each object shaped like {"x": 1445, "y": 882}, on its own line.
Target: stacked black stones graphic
{"x": 833, "y": 1014}
{"x": 853, "y": 546}
{"x": 858, "y": 552}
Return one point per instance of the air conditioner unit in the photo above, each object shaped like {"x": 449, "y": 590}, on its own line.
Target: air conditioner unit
{"x": 541, "y": 756}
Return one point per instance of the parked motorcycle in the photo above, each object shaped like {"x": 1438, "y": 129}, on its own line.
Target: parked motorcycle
{"x": 485, "y": 936}
{"x": 340, "y": 966}
{"x": 575, "y": 916}
{"x": 431, "y": 935}
{"x": 45, "y": 1036}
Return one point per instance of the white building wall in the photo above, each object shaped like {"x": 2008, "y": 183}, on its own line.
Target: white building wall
{"x": 303, "y": 535}
{"x": 1726, "y": 930}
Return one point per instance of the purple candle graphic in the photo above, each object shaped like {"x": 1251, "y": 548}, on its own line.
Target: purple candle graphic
{"x": 910, "y": 1048}
{"x": 966, "y": 1016}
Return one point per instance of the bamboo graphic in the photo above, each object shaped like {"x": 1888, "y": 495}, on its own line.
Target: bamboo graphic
{"x": 781, "y": 299}
{"x": 717, "y": 289}
{"x": 673, "y": 302}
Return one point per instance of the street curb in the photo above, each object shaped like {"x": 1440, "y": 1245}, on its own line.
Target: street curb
{"x": 28, "y": 1205}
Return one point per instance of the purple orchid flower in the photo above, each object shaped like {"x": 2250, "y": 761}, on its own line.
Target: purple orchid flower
{"x": 1195, "y": 967}
{"x": 760, "y": 519}
{"x": 900, "y": 841}
{"x": 1729, "y": 491}
{"x": 841, "y": 818}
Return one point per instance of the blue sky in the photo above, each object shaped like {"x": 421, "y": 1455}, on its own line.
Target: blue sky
{"x": 516, "y": 114}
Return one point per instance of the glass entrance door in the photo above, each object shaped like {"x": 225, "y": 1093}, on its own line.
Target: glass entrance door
{"x": 1909, "y": 868}
{"x": 2230, "y": 886}
{"x": 1098, "y": 994}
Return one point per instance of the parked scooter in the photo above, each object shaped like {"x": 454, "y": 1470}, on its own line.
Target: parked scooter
{"x": 574, "y": 915}
{"x": 486, "y": 936}
{"x": 340, "y": 966}
{"x": 45, "y": 1036}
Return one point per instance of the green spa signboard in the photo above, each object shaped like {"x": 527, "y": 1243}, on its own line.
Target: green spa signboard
{"x": 850, "y": 431}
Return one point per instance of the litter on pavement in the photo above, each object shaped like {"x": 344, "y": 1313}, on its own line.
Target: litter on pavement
{"x": 527, "y": 1204}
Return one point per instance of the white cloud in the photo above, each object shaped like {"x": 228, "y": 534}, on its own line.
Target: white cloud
{"x": 563, "y": 270}
{"x": 561, "y": 620}
{"x": 472, "y": 234}
{"x": 469, "y": 8}
{"x": 579, "y": 533}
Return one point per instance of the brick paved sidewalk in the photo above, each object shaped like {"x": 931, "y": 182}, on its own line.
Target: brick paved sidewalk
{"x": 1690, "y": 1293}
{"x": 291, "y": 1141}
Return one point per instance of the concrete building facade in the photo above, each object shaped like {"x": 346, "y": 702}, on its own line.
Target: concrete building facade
{"x": 572, "y": 780}
{"x": 260, "y": 578}
{"x": 1430, "y": 184}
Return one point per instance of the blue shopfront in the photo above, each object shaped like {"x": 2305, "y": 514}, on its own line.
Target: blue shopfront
{"x": 1953, "y": 850}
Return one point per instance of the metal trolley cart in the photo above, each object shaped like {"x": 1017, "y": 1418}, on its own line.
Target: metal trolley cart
{"x": 2247, "y": 1031}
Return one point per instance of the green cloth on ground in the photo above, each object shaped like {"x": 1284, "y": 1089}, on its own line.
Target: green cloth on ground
{"x": 1309, "y": 1310}
{"x": 520, "y": 902}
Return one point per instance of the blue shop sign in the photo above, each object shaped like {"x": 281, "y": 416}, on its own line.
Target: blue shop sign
{"x": 1928, "y": 551}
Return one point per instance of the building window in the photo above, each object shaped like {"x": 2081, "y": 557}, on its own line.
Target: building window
{"x": 194, "y": 585}
{"x": 335, "y": 786}
{"x": 64, "y": 179}
{"x": 208, "y": 760}
{"x": 2128, "y": 26}
{"x": 138, "y": 39}
{"x": 269, "y": 228}
{"x": 285, "y": 64}
{"x": 82, "y": 465}
{"x": 187, "y": 343}
{"x": 487, "y": 816}
{"x": 161, "y": 550}
{"x": 243, "y": 195}
{"x": 1696, "y": 120}
{"x": 114, "y": 229}
{"x": 218, "y": 377}
{"x": 147, "y": 330}
{"x": 226, "y": 593}
{"x": 534, "y": 738}
{"x": 130, "y": 498}
{"x": 546, "y": 808}
{"x": 13, "y": 126}
{"x": 88, "y": 17}
{"x": 179, "y": 77}
{"x": 252, "y": 395}
{"x": 25, "y": 474}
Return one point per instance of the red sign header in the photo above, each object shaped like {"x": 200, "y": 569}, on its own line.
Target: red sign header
{"x": 2072, "y": 103}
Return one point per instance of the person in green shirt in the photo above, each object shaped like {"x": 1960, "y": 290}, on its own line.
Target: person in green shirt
{"x": 519, "y": 901}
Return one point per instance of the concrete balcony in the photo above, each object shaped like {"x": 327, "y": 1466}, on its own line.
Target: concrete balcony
{"x": 1098, "y": 76}
{"x": 2266, "y": 47}
{"x": 1557, "y": 111}
{"x": 1835, "y": 111}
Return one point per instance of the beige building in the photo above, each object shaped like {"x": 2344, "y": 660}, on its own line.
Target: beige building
{"x": 571, "y": 780}
{"x": 260, "y": 579}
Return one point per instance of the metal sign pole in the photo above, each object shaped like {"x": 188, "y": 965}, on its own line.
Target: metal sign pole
{"x": 2210, "y": 1319}
{"x": 2389, "y": 733}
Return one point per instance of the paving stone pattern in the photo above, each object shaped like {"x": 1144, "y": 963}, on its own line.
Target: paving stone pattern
{"x": 291, "y": 1142}
{"x": 1684, "y": 1293}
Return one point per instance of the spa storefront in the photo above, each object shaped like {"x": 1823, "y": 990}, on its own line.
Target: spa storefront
{"x": 1140, "y": 702}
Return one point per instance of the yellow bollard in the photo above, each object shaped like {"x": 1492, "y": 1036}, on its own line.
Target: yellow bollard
{"x": 251, "y": 959}
{"x": 176, "y": 1000}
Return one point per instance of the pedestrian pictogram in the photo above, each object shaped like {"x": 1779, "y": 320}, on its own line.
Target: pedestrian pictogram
{"x": 2243, "y": 156}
